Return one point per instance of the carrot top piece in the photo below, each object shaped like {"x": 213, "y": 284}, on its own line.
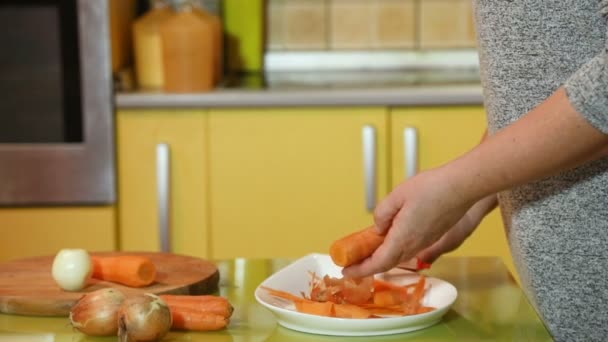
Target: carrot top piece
{"x": 130, "y": 270}
{"x": 355, "y": 247}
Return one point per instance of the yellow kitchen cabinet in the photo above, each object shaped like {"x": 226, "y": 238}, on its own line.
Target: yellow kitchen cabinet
{"x": 162, "y": 168}
{"x": 287, "y": 182}
{"x": 427, "y": 137}
{"x": 30, "y": 232}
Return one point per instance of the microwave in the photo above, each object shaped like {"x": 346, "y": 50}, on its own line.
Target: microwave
{"x": 56, "y": 103}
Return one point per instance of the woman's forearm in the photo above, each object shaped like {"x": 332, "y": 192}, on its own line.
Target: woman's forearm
{"x": 551, "y": 138}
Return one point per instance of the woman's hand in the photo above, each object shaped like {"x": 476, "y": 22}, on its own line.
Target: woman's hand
{"x": 414, "y": 216}
{"x": 454, "y": 237}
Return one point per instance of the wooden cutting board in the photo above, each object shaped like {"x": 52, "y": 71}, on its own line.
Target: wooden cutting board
{"x": 27, "y": 286}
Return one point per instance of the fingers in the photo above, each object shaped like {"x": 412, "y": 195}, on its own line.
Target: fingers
{"x": 451, "y": 240}
{"x": 383, "y": 259}
{"x": 385, "y": 212}
{"x": 388, "y": 255}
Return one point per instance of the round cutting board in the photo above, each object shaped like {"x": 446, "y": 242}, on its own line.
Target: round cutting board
{"x": 27, "y": 286}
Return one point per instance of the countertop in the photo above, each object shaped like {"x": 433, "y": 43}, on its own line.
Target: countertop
{"x": 353, "y": 88}
{"x": 490, "y": 307}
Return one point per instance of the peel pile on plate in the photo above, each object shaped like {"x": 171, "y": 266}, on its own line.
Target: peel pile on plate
{"x": 358, "y": 298}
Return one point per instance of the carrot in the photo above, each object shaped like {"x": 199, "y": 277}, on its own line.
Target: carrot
{"x": 199, "y": 313}
{"x": 130, "y": 270}
{"x": 355, "y": 247}
{"x": 204, "y": 304}
{"x": 192, "y": 319}
{"x": 316, "y": 308}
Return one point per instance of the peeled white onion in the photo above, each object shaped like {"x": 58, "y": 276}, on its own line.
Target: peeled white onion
{"x": 72, "y": 268}
{"x": 143, "y": 318}
{"x": 96, "y": 313}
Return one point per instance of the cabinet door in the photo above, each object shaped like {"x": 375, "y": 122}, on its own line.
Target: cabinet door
{"x": 430, "y": 137}
{"x": 170, "y": 145}
{"x": 287, "y": 182}
{"x": 30, "y": 232}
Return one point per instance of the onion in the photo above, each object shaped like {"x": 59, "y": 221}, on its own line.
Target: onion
{"x": 96, "y": 313}
{"x": 72, "y": 268}
{"x": 143, "y": 318}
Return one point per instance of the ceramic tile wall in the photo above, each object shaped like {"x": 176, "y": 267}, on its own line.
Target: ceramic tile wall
{"x": 369, "y": 24}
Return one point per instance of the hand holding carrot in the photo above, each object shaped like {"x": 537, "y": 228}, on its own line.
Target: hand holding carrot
{"x": 355, "y": 247}
{"x": 412, "y": 217}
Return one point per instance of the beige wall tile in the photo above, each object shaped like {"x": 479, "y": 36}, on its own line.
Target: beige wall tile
{"x": 472, "y": 32}
{"x": 351, "y": 24}
{"x": 395, "y": 24}
{"x": 275, "y": 25}
{"x": 445, "y": 24}
{"x": 305, "y": 24}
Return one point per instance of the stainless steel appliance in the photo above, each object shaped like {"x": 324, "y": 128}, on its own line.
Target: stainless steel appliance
{"x": 56, "y": 103}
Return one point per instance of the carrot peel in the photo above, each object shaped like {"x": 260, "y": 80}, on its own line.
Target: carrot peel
{"x": 327, "y": 298}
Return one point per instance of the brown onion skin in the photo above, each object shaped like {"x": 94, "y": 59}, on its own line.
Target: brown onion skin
{"x": 143, "y": 318}
{"x": 96, "y": 313}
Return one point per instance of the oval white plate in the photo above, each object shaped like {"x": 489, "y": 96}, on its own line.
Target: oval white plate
{"x": 295, "y": 278}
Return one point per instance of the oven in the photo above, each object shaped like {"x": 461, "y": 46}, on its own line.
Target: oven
{"x": 56, "y": 103}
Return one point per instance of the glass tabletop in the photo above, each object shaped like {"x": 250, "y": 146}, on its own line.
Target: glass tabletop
{"x": 490, "y": 307}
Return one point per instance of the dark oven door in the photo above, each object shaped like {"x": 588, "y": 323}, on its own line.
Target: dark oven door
{"x": 56, "y": 103}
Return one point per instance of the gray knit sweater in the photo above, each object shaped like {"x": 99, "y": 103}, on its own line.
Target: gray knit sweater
{"x": 557, "y": 227}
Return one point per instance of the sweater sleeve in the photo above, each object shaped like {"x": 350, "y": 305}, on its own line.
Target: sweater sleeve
{"x": 587, "y": 88}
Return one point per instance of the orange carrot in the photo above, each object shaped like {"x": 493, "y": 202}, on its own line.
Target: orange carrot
{"x": 193, "y": 319}
{"x": 316, "y": 308}
{"x": 203, "y": 304}
{"x": 130, "y": 270}
{"x": 355, "y": 247}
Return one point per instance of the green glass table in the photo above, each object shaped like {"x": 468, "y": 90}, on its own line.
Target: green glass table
{"x": 490, "y": 307}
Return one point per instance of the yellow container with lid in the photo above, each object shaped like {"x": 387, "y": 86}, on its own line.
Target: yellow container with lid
{"x": 147, "y": 45}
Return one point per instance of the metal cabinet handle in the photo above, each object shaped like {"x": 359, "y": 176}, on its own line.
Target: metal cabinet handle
{"x": 369, "y": 166}
{"x": 410, "y": 151}
{"x": 163, "y": 185}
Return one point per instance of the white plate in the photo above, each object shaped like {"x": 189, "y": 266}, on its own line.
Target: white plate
{"x": 295, "y": 279}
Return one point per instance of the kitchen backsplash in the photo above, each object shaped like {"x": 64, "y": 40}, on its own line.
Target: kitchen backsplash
{"x": 338, "y": 25}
